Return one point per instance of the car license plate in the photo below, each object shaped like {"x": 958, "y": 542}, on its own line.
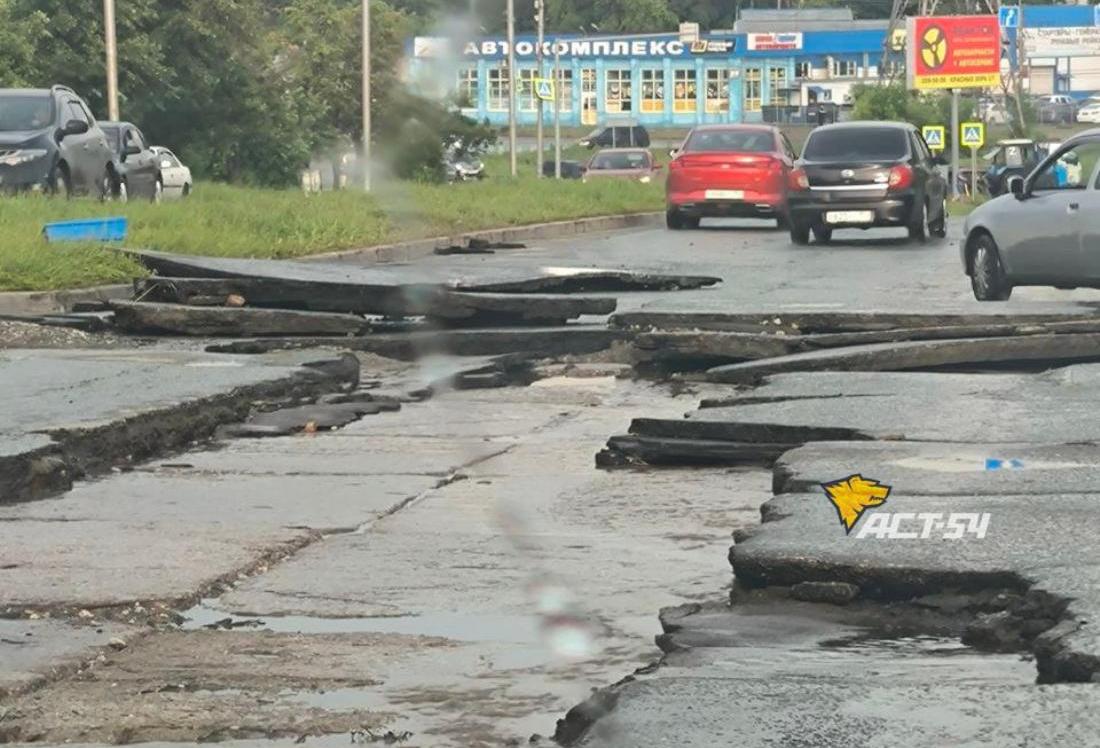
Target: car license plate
{"x": 850, "y": 216}
{"x": 725, "y": 194}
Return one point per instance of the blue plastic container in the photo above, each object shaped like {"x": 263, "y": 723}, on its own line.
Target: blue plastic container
{"x": 91, "y": 230}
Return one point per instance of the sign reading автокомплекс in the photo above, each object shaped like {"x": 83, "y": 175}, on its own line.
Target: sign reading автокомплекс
{"x": 649, "y": 46}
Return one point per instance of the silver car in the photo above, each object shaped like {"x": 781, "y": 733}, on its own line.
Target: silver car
{"x": 1045, "y": 231}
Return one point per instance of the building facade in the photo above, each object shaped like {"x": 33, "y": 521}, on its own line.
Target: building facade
{"x": 772, "y": 66}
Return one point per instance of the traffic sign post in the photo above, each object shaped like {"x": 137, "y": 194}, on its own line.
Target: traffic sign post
{"x": 973, "y": 136}
{"x": 1009, "y": 16}
{"x": 544, "y": 89}
{"x": 934, "y": 136}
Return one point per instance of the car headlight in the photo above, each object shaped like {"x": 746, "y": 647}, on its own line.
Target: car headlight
{"x": 645, "y": 179}
{"x": 25, "y": 155}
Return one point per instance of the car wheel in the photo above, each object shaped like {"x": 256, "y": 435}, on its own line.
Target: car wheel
{"x": 938, "y": 228}
{"x": 800, "y": 233}
{"x": 60, "y": 184}
{"x": 674, "y": 219}
{"x": 987, "y": 278}
{"x": 106, "y": 186}
{"x": 158, "y": 191}
{"x": 822, "y": 233}
{"x": 918, "y": 228}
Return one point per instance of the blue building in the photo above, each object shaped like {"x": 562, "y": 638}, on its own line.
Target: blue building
{"x": 763, "y": 69}
{"x": 771, "y": 66}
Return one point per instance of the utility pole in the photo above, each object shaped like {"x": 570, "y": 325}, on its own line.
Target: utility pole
{"x": 558, "y": 88}
{"x": 366, "y": 95}
{"x": 540, "y": 12}
{"x": 512, "y": 86}
{"x": 112, "y": 59}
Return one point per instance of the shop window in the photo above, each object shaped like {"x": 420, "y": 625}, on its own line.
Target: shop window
{"x": 752, "y": 89}
{"x": 718, "y": 91}
{"x": 653, "y": 90}
{"x": 803, "y": 69}
{"x": 778, "y": 79}
{"x": 498, "y": 89}
{"x": 843, "y": 68}
{"x": 564, "y": 90}
{"x": 895, "y": 67}
{"x": 467, "y": 88}
{"x": 683, "y": 91}
{"x": 526, "y": 91}
{"x": 618, "y": 94}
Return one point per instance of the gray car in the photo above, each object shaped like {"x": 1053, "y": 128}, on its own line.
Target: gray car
{"x": 1045, "y": 231}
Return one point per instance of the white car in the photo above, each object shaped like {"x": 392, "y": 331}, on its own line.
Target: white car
{"x": 175, "y": 177}
{"x": 1089, "y": 113}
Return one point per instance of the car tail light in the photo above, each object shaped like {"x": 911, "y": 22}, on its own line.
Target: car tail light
{"x": 797, "y": 180}
{"x": 901, "y": 176}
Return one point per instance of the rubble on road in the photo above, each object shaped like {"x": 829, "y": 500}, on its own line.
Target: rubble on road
{"x": 145, "y": 317}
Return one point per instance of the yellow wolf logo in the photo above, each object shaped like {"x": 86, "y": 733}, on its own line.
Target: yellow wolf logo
{"x": 852, "y": 496}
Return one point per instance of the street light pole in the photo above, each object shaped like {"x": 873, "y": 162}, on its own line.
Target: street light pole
{"x": 540, "y": 10}
{"x": 366, "y": 95}
{"x": 512, "y": 86}
{"x": 112, "y": 59}
{"x": 558, "y": 88}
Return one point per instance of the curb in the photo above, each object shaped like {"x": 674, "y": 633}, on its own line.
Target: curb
{"x": 53, "y": 302}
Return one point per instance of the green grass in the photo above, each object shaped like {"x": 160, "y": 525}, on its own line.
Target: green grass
{"x": 247, "y": 222}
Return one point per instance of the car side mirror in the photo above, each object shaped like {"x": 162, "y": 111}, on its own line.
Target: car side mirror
{"x": 1016, "y": 187}
{"x": 75, "y": 127}
{"x": 673, "y": 152}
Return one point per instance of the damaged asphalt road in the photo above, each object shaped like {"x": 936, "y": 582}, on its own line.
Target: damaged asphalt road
{"x": 427, "y": 555}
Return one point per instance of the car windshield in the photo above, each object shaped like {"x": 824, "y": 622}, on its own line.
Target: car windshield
{"x": 712, "y": 141}
{"x": 856, "y": 143}
{"x": 112, "y": 134}
{"x": 620, "y": 161}
{"x": 25, "y": 112}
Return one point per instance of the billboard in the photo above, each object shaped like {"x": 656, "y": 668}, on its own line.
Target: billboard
{"x": 1062, "y": 41}
{"x": 774, "y": 42}
{"x": 953, "y": 52}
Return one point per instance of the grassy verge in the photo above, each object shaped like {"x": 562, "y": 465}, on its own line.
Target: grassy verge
{"x": 247, "y": 222}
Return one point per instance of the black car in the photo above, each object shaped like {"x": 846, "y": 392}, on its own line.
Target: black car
{"x": 137, "y": 168}
{"x": 49, "y": 140}
{"x": 625, "y": 135}
{"x": 866, "y": 174}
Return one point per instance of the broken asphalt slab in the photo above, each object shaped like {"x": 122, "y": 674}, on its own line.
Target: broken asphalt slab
{"x": 78, "y": 412}
{"x": 1040, "y": 540}
{"x": 144, "y": 317}
{"x": 434, "y": 302}
{"x": 782, "y": 673}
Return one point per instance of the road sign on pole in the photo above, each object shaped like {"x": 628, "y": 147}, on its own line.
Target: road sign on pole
{"x": 1009, "y": 16}
{"x": 544, "y": 89}
{"x": 973, "y": 134}
{"x": 934, "y": 136}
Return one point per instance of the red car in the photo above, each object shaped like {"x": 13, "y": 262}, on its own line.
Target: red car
{"x": 738, "y": 171}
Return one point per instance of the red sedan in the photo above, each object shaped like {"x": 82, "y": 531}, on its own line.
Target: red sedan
{"x": 736, "y": 171}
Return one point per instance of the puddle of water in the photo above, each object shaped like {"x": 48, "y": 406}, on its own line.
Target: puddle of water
{"x": 903, "y": 645}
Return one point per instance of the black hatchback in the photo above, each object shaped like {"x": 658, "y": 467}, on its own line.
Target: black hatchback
{"x": 864, "y": 175}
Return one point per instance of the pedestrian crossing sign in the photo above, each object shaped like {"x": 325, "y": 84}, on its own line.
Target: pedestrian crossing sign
{"x": 934, "y": 136}
{"x": 973, "y": 134}
{"x": 544, "y": 89}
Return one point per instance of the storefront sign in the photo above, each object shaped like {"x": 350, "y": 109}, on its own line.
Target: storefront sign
{"x": 1062, "y": 41}
{"x": 774, "y": 42}
{"x": 526, "y": 48}
{"x": 953, "y": 52}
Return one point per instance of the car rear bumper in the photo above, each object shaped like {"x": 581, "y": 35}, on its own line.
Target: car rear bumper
{"x": 891, "y": 210}
{"x": 751, "y": 204}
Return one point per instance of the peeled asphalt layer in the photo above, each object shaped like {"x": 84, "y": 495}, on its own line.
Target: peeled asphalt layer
{"x": 460, "y": 571}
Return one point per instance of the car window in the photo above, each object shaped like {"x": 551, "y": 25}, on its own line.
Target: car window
{"x": 139, "y": 139}
{"x": 87, "y": 112}
{"x": 25, "y": 112}
{"x": 170, "y": 158}
{"x": 75, "y": 111}
{"x": 1071, "y": 170}
{"x": 716, "y": 141}
{"x": 632, "y": 160}
{"x": 112, "y": 134}
{"x": 920, "y": 148}
{"x": 858, "y": 143}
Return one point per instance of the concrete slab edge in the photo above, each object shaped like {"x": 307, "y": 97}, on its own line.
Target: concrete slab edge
{"x": 51, "y": 302}
{"x": 79, "y": 453}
